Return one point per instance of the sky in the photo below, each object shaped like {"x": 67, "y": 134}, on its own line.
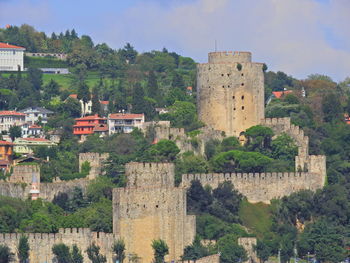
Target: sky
{"x": 299, "y": 37}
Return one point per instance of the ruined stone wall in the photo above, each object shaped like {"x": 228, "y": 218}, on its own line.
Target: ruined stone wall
{"x": 24, "y": 174}
{"x": 186, "y": 143}
{"x": 249, "y": 243}
{"x": 261, "y": 187}
{"x": 47, "y": 190}
{"x": 283, "y": 125}
{"x": 96, "y": 162}
{"x": 41, "y": 243}
{"x": 229, "y": 99}
{"x": 150, "y": 208}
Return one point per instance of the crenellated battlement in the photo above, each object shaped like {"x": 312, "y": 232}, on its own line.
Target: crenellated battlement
{"x": 41, "y": 243}
{"x": 96, "y": 161}
{"x": 149, "y": 174}
{"x": 261, "y": 187}
{"x": 229, "y": 57}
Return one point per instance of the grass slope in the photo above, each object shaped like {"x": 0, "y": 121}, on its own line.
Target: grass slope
{"x": 256, "y": 217}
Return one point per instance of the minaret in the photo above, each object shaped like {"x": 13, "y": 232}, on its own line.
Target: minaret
{"x": 34, "y": 191}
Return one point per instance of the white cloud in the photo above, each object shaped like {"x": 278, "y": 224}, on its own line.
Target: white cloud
{"x": 288, "y": 35}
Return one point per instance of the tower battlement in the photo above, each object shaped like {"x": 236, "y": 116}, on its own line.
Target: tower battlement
{"x": 150, "y": 174}
{"x": 229, "y": 57}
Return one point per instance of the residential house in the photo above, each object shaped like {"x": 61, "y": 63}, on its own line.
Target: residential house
{"x": 36, "y": 114}
{"x": 11, "y": 57}
{"x": 6, "y": 154}
{"x": 86, "y": 125}
{"x": 11, "y": 118}
{"x": 27, "y": 145}
{"x": 29, "y": 130}
{"x": 124, "y": 122}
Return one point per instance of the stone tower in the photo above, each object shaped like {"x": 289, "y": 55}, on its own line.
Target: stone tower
{"x": 151, "y": 207}
{"x": 230, "y": 92}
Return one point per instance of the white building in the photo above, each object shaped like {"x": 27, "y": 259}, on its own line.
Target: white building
{"x": 11, "y": 57}
{"x": 35, "y": 114}
{"x": 124, "y": 122}
{"x": 29, "y": 130}
{"x": 11, "y": 118}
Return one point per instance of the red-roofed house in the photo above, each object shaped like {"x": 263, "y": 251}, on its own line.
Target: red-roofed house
{"x": 280, "y": 94}
{"x": 124, "y": 122}
{"x": 11, "y": 118}
{"x": 11, "y": 57}
{"x": 6, "y": 153}
{"x": 86, "y": 125}
{"x": 31, "y": 130}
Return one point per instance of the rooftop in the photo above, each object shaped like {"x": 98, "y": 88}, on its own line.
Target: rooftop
{"x": 279, "y": 94}
{"x": 125, "y": 116}
{"x": 7, "y": 45}
{"x": 92, "y": 117}
{"x": 5, "y": 143}
{"x": 11, "y": 113}
{"x": 36, "y": 109}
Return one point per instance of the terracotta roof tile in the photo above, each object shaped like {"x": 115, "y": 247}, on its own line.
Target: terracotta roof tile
{"x": 5, "y": 143}
{"x": 11, "y": 113}
{"x": 6, "y": 45}
{"x": 279, "y": 94}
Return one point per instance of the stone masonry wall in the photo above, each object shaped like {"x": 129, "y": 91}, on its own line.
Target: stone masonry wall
{"x": 230, "y": 99}
{"x": 96, "y": 162}
{"x": 249, "y": 243}
{"x": 47, "y": 190}
{"x": 149, "y": 208}
{"x": 41, "y": 243}
{"x": 24, "y": 174}
{"x": 261, "y": 187}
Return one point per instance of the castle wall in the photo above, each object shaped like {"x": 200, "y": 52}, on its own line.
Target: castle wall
{"x": 96, "y": 162}
{"x": 229, "y": 99}
{"x": 24, "y": 174}
{"x": 47, "y": 190}
{"x": 41, "y": 243}
{"x": 260, "y": 187}
{"x": 150, "y": 208}
{"x": 249, "y": 243}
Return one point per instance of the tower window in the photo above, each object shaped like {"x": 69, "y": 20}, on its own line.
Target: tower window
{"x": 242, "y": 107}
{"x": 242, "y": 84}
{"x": 242, "y": 97}
{"x": 233, "y": 97}
{"x": 242, "y": 74}
{"x": 228, "y": 75}
{"x": 223, "y": 86}
{"x": 234, "y": 108}
{"x": 222, "y": 75}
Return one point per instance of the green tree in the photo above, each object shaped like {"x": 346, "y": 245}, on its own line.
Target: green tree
{"x": 138, "y": 101}
{"x": 76, "y": 255}
{"x": 119, "y": 250}
{"x": 198, "y": 199}
{"x": 160, "y": 249}
{"x": 230, "y": 250}
{"x": 23, "y": 249}
{"x": 259, "y": 138}
{"x": 152, "y": 86}
{"x": 284, "y": 148}
{"x": 61, "y": 252}
{"x": 163, "y": 151}
{"x": 195, "y": 251}
{"x": 263, "y": 251}
{"x": 51, "y": 89}
{"x": 239, "y": 161}
{"x": 83, "y": 93}
{"x": 93, "y": 252}
{"x": 15, "y": 132}
{"x": 128, "y": 53}
{"x": 332, "y": 109}
{"x": 6, "y": 255}
{"x": 96, "y": 106}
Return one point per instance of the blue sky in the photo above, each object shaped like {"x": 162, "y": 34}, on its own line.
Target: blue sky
{"x": 299, "y": 37}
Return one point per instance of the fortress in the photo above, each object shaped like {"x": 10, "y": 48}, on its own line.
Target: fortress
{"x": 230, "y": 92}
{"x": 230, "y": 100}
